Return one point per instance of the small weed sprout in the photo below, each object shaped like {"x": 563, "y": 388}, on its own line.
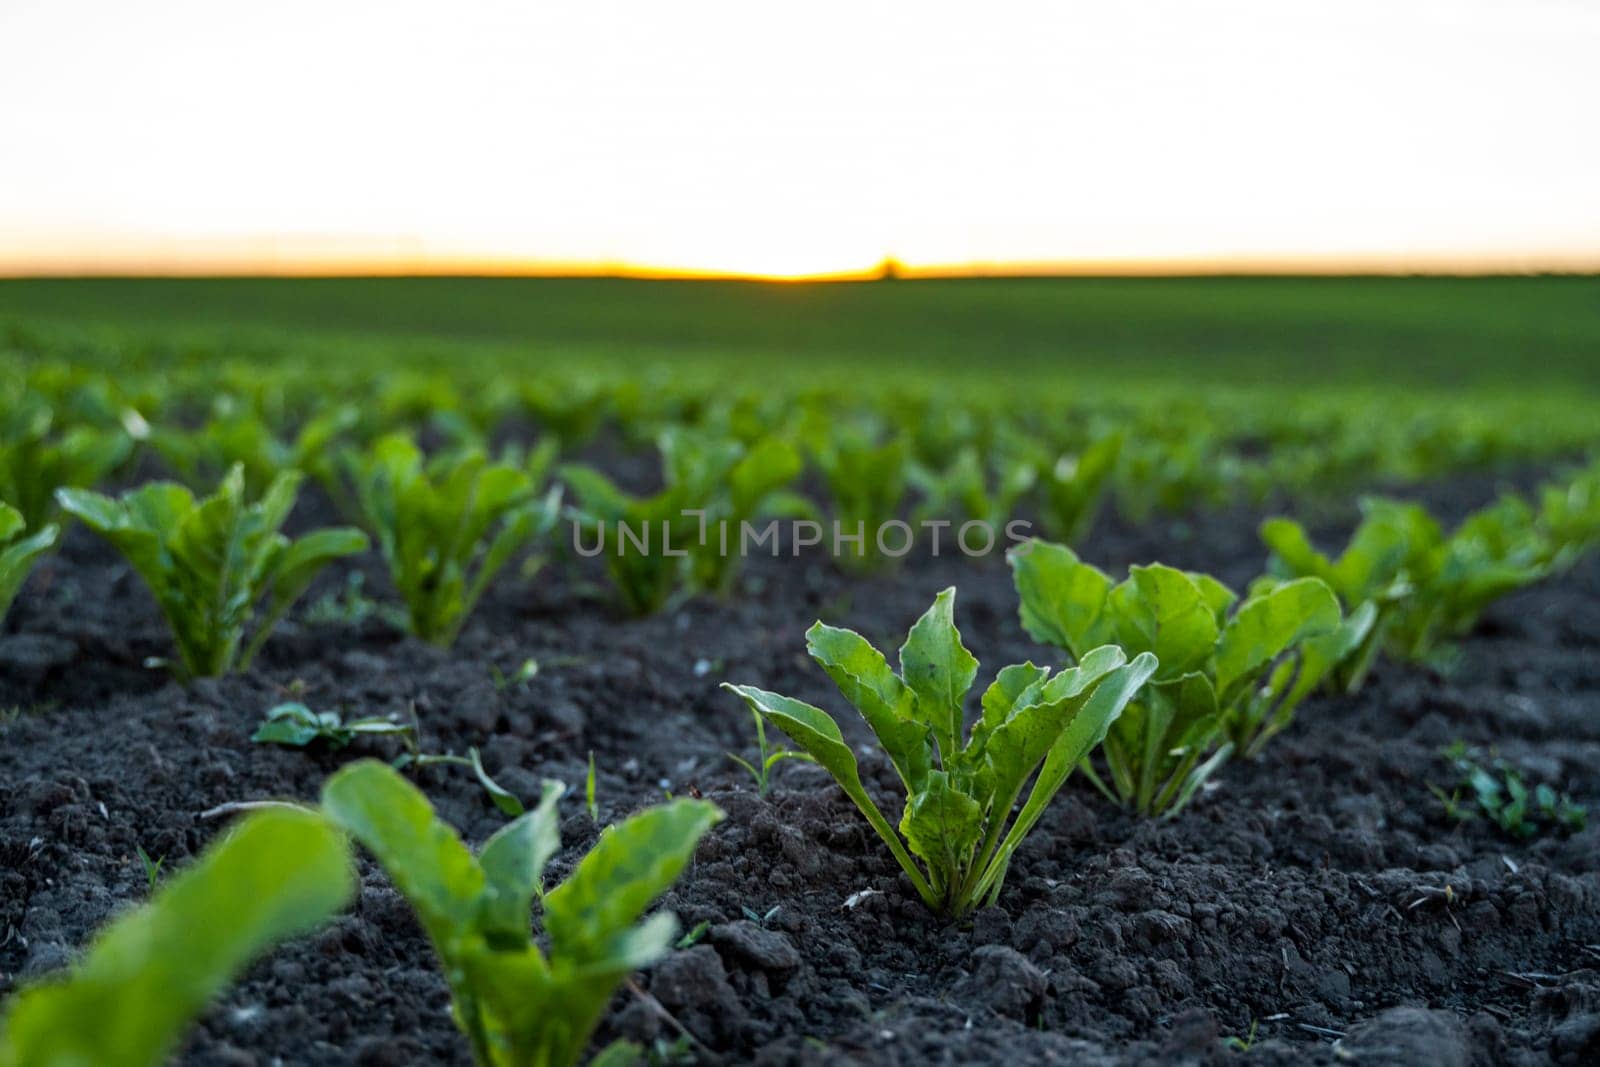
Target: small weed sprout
{"x": 152, "y": 868}
{"x": 766, "y": 758}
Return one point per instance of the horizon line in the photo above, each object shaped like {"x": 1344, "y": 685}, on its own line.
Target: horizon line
{"x": 888, "y": 268}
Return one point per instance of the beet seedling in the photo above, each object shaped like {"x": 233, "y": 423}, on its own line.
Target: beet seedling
{"x": 34, "y": 462}
{"x": 446, "y": 526}
{"x": 960, "y": 796}
{"x": 518, "y": 1006}
{"x": 687, "y": 537}
{"x": 279, "y": 873}
{"x": 17, "y": 555}
{"x": 297, "y": 726}
{"x": 1224, "y": 683}
{"x": 211, "y": 562}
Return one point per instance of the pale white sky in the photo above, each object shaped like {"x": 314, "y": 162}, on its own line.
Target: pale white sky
{"x": 758, "y": 137}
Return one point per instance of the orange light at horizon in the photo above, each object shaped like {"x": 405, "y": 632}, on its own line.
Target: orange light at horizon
{"x": 721, "y": 138}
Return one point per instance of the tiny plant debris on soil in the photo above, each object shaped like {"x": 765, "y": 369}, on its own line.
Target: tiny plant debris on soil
{"x": 1281, "y": 747}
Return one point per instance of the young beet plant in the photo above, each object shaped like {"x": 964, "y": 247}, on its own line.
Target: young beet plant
{"x": 1225, "y": 683}
{"x": 17, "y": 553}
{"x": 518, "y": 1006}
{"x": 688, "y": 535}
{"x": 446, "y": 526}
{"x": 1368, "y": 577}
{"x": 1427, "y": 588}
{"x": 960, "y": 794}
{"x": 212, "y": 562}
{"x": 278, "y": 874}
{"x": 34, "y": 462}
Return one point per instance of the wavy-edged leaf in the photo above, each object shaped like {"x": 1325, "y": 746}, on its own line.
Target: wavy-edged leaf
{"x": 513, "y": 863}
{"x": 633, "y": 863}
{"x": 865, "y": 678}
{"x": 1062, "y": 598}
{"x": 1268, "y": 625}
{"x": 423, "y": 855}
{"x": 937, "y": 667}
{"x": 1162, "y": 610}
{"x": 942, "y": 825}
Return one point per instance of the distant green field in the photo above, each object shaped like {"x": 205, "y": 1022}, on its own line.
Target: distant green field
{"x": 1492, "y": 333}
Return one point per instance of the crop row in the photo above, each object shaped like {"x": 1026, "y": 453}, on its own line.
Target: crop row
{"x": 224, "y": 573}
{"x": 1171, "y": 674}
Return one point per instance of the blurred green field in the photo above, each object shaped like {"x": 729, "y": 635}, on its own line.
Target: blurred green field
{"x": 1521, "y": 333}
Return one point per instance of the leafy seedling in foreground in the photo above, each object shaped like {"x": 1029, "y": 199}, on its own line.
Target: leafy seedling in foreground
{"x": 766, "y": 757}
{"x": 518, "y": 1006}
{"x": 17, "y": 554}
{"x": 959, "y": 795}
{"x": 278, "y": 874}
{"x": 1224, "y": 683}
{"x": 297, "y": 726}
{"x": 211, "y": 563}
{"x": 446, "y": 526}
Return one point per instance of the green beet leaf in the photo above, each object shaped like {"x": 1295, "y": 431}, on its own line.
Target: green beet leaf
{"x": 446, "y": 526}
{"x": 956, "y": 834}
{"x": 18, "y": 554}
{"x": 1231, "y": 674}
{"x": 221, "y": 572}
{"x": 517, "y": 1006}
{"x": 277, "y": 874}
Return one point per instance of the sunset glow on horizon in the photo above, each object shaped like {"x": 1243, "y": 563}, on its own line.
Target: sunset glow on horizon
{"x": 728, "y": 138}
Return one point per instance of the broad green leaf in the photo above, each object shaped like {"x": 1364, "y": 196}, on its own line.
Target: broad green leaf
{"x": 939, "y": 670}
{"x": 1062, "y": 598}
{"x": 1287, "y": 541}
{"x": 11, "y": 522}
{"x": 424, "y": 856}
{"x": 1217, "y": 596}
{"x": 96, "y": 510}
{"x": 276, "y": 875}
{"x": 1269, "y": 625}
{"x": 513, "y": 863}
{"x": 1086, "y": 730}
{"x": 305, "y": 558}
{"x": 16, "y": 561}
{"x": 1012, "y": 686}
{"x": 884, "y": 701}
{"x": 632, "y": 864}
{"x": 942, "y": 825}
{"x": 1165, "y": 612}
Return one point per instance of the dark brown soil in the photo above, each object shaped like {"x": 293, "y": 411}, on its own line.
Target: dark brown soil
{"x": 1305, "y": 895}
